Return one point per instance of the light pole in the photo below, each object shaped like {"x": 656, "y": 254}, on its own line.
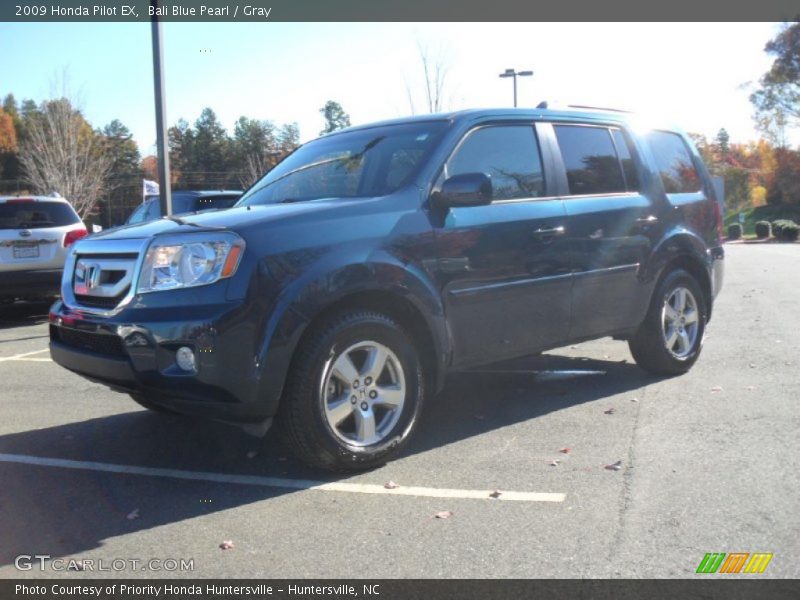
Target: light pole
{"x": 515, "y": 74}
{"x": 164, "y": 191}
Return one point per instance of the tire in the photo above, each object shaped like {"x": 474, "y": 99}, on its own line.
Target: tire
{"x": 142, "y": 400}
{"x": 659, "y": 345}
{"x": 327, "y": 406}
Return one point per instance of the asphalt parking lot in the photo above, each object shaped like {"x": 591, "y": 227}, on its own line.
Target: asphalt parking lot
{"x": 710, "y": 462}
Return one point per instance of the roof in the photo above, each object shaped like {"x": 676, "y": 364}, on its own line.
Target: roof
{"x": 35, "y": 198}
{"x": 605, "y": 115}
{"x": 200, "y": 193}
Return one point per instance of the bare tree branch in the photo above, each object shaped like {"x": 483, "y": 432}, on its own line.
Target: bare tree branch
{"x": 435, "y": 69}
{"x": 62, "y": 154}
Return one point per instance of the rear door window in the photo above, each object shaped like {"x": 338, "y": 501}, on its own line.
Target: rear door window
{"x": 509, "y": 154}
{"x": 674, "y": 162}
{"x": 25, "y": 214}
{"x": 590, "y": 160}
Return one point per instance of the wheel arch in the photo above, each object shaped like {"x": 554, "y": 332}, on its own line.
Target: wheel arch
{"x": 684, "y": 250}
{"x": 391, "y": 289}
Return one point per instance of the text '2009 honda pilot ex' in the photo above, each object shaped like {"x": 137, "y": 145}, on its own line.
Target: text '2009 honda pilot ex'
{"x": 344, "y": 285}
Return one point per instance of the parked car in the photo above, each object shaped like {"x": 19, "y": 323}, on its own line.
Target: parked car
{"x": 184, "y": 202}
{"x": 35, "y": 233}
{"x": 369, "y": 263}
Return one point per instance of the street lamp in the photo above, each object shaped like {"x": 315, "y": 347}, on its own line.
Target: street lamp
{"x": 515, "y": 74}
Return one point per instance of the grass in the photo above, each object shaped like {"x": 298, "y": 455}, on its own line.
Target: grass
{"x": 770, "y": 213}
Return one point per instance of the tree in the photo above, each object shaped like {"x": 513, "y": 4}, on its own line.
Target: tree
{"x": 288, "y": 138}
{"x": 777, "y": 100}
{"x": 211, "y": 146}
{"x": 8, "y": 138}
{"x": 122, "y": 150}
{"x": 723, "y": 144}
{"x": 435, "y": 68}
{"x": 335, "y": 117}
{"x": 180, "y": 139}
{"x": 255, "y": 149}
{"x": 61, "y": 153}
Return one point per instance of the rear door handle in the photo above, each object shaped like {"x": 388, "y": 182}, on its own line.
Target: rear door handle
{"x": 549, "y": 232}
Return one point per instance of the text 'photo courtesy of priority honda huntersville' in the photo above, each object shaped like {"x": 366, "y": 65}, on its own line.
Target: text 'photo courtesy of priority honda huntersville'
{"x": 335, "y": 296}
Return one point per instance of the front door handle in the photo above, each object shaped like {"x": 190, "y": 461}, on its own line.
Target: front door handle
{"x": 648, "y": 220}
{"x": 549, "y": 232}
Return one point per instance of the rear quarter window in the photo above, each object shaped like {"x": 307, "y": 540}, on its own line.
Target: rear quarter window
{"x": 674, "y": 162}
{"x": 36, "y": 215}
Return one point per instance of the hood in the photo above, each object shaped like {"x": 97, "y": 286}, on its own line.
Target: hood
{"x": 232, "y": 219}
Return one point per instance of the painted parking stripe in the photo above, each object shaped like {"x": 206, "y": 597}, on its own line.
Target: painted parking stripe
{"x": 26, "y": 355}
{"x": 280, "y": 482}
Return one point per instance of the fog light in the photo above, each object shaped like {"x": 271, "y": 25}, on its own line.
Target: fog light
{"x": 185, "y": 358}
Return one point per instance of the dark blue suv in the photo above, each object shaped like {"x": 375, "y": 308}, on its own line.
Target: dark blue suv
{"x": 344, "y": 285}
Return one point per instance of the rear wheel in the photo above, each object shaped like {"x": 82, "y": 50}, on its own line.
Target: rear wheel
{"x": 669, "y": 340}
{"x": 354, "y": 393}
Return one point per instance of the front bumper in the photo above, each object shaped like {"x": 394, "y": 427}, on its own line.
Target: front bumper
{"x": 135, "y": 352}
{"x": 25, "y": 284}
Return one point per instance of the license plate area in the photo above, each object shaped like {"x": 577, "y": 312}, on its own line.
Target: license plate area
{"x": 26, "y": 250}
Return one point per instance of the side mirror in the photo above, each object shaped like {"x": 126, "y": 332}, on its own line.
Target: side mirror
{"x": 467, "y": 189}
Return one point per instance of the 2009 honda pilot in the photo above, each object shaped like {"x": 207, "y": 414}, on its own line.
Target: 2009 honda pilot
{"x": 344, "y": 285}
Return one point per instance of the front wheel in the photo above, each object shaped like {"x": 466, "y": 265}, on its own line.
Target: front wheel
{"x": 354, "y": 393}
{"x": 670, "y": 338}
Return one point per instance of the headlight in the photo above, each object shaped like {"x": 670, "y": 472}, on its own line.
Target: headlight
{"x": 188, "y": 260}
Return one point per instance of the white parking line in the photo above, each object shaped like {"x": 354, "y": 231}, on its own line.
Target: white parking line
{"x": 26, "y": 355}
{"x": 279, "y": 482}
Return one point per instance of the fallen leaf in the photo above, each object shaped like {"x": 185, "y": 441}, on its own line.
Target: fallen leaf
{"x": 716, "y": 388}
{"x": 495, "y": 494}
{"x": 610, "y": 411}
{"x": 554, "y": 463}
{"x": 134, "y": 514}
{"x": 614, "y": 467}
{"x": 565, "y": 450}
{"x": 252, "y": 454}
{"x": 390, "y": 485}
{"x": 443, "y": 514}
{"x": 226, "y": 545}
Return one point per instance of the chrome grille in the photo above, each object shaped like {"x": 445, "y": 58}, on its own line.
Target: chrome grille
{"x": 100, "y": 275}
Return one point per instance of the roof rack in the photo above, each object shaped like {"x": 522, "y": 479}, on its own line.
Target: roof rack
{"x": 583, "y": 107}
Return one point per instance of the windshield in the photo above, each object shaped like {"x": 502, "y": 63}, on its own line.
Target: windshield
{"x": 363, "y": 163}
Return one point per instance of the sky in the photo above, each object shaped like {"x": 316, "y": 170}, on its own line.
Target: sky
{"x": 694, "y": 75}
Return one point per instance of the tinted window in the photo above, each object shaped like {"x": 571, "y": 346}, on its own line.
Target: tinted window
{"x": 138, "y": 215}
{"x": 215, "y": 202}
{"x": 674, "y": 162}
{"x": 623, "y": 147}
{"x": 590, "y": 160}
{"x": 359, "y": 163}
{"x": 508, "y": 154}
{"x": 22, "y": 214}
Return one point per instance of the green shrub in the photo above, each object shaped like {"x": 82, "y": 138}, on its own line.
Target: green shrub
{"x": 734, "y": 231}
{"x": 777, "y": 226}
{"x": 763, "y": 230}
{"x": 790, "y": 232}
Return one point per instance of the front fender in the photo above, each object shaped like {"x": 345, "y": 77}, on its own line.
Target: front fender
{"x": 331, "y": 281}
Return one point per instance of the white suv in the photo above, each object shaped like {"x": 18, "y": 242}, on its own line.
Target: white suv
{"x": 35, "y": 232}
